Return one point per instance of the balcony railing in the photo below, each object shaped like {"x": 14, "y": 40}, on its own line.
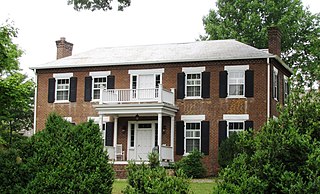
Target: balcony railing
{"x": 159, "y": 95}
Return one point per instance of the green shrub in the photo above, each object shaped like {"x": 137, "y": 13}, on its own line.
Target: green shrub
{"x": 153, "y": 158}
{"x": 192, "y": 165}
{"x": 143, "y": 179}
{"x": 284, "y": 156}
{"x": 68, "y": 159}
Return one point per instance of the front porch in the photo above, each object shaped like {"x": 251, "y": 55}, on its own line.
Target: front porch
{"x": 138, "y": 126}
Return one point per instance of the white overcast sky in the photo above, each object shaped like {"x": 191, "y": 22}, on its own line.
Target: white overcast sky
{"x": 42, "y": 22}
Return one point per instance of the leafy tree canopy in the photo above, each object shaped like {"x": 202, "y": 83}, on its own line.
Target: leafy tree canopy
{"x": 248, "y": 21}
{"x": 97, "y": 4}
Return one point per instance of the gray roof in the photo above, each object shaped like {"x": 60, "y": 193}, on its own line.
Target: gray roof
{"x": 162, "y": 53}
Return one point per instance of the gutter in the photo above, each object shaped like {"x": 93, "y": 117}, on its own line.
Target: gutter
{"x": 35, "y": 102}
{"x": 268, "y": 89}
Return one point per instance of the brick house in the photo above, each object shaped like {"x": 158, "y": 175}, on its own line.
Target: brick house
{"x": 170, "y": 97}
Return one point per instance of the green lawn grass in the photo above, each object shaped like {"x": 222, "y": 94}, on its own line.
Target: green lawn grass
{"x": 196, "y": 187}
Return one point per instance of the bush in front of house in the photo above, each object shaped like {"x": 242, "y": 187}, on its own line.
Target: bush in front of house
{"x": 68, "y": 159}
{"x": 192, "y": 165}
{"x": 144, "y": 179}
{"x": 285, "y": 153}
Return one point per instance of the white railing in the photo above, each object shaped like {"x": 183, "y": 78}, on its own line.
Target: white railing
{"x": 137, "y": 95}
{"x": 166, "y": 153}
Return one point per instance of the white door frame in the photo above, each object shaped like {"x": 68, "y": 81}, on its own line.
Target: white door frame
{"x": 129, "y": 149}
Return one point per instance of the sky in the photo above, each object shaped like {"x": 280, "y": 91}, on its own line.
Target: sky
{"x": 42, "y": 22}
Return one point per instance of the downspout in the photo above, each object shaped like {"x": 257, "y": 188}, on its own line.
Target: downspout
{"x": 35, "y": 102}
{"x": 268, "y": 89}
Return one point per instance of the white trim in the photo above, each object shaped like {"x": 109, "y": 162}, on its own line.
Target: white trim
{"x": 146, "y": 71}
{"x": 268, "y": 88}
{"x": 191, "y": 70}
{"x": 236, "y": 68}
{"x": 235, "y": 117}
{"x": 62, "y": 75}
{"x": 99, "y": 73}
{"x": 275, "y": 69}
{"x": 193, "y": 117}
{"x": 35, "y": 102}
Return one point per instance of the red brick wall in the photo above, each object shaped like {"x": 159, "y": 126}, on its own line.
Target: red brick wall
{"x": 213, "y": 108}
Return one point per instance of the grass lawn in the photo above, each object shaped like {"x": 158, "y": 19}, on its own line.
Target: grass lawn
{"x": 201, "y": 187}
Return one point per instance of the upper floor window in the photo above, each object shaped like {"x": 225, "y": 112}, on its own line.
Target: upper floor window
{"x": 97, "y": 83}
{"x": 236, "y": 80}
{"x": 193, "y": 86}
{"x": 275, "y": 84}
{"x": 285, "y": 88}
{"x": 62, "y": 90}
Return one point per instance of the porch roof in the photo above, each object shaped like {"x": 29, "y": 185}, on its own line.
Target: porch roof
{"x": 133, "y": 109}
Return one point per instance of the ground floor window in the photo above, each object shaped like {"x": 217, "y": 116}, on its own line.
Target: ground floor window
{"x": 192, "y": 136}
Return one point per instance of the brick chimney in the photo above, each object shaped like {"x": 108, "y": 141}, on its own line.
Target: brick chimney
{"x": 64, "y": 48}
{"x": 274, "y": 41}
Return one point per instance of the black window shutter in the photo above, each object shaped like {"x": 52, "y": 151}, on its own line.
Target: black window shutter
{"x": 249, "y": 83}
{"x": 248, "y": 125}
{"x": 110, "y": 82}
{"x": 223, "y": 84}
{"x": 180, "y": 137}
{"x": 278, "y": 87}
{"x": 109, "y": 134}
{"x": 73, "y": 89}
{"x": 51, "y": 89}
{"x": 180, "y": 85}
{"x": 222, "y": 131}
{"x": 272, "y": 84}
{"x": 88, "y": 89}
{"x": 205, "y": 126}
{"x": 205, "y": 93}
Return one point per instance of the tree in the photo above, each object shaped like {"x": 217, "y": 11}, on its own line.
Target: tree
{"x": 97, "y": 4}
{"x": 16, "y": 92}
{"x": 248, "y": 21}
{"x": 68, "y": 159}
{"x": 284, "y": 156}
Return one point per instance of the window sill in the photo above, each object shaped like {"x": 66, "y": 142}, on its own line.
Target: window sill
{"x": 276, "y": 99}
{"x": 61, "y": 102}
{"x": 193, "y": 98}
{"x": 243, "y": 97}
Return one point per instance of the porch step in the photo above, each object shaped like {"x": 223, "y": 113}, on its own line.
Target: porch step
{"x": 120, "y": 170}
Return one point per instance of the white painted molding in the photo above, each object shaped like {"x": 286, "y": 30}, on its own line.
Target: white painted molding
{"x": 193, "y": 69}
{"x": 99, "y": 73}
{"x": 62, "y": 75}
{"x": 236, "y": 68}
{"x": 146, "y": 71}
{"x": 193, "y": 117}
{"x": 236, "y": 117}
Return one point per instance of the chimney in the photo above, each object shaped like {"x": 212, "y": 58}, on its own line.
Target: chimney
{"x": 64, "y": 48}
{"x": 274, "y": 41}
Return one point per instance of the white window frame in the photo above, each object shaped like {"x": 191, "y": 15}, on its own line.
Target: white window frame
{"x": 275, "y": 84}
{"x": 98, "y": 74}
{"x": 285, "y": 88}
{"x": 61, "y": 76}
{"x": 193, "y": 70}
{"x": 138, "y": 72}
{"x": 192, "y": 119}
{"x": 236, "y": 68}
{"x": 235, "y": 118}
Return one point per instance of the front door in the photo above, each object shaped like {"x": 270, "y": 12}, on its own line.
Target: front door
{"x": 144, "y": 141}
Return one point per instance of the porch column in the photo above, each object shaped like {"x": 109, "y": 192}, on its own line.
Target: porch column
{"x": 101, "y": 122}
{"x": 159, "y": 134}
{"x": 115, "y": 135}
{"x": 172, "y": 137}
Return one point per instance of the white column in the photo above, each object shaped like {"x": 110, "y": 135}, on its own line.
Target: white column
{"x": 160, "y": 93}
{"x": 115, "y": 135}
{"x": 159, "y": 133}
{"x": 172, "y": 137}
{"x": 173, "y": 94}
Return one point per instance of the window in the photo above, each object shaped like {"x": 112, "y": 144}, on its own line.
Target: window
{"x": 97, "y": 83}
{"x": 235, "y": 127}
{"x": 193, "y": 77}
{"x": 285, "y": 88}
{"x": 192, "y": 136}
{"x": 236, "y": 83}
{"x": 132, "y": 135}
{"x": 275, "y": 84}
{"x": 193, "y": 85}
{"x": 236, "y": 80}
{"x": 99, "y": 78}
{"x": 156, "y": 134}
{"x": 62, "y": 89}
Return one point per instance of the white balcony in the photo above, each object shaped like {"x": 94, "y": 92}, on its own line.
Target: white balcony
{"x": 158, "y": 95}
